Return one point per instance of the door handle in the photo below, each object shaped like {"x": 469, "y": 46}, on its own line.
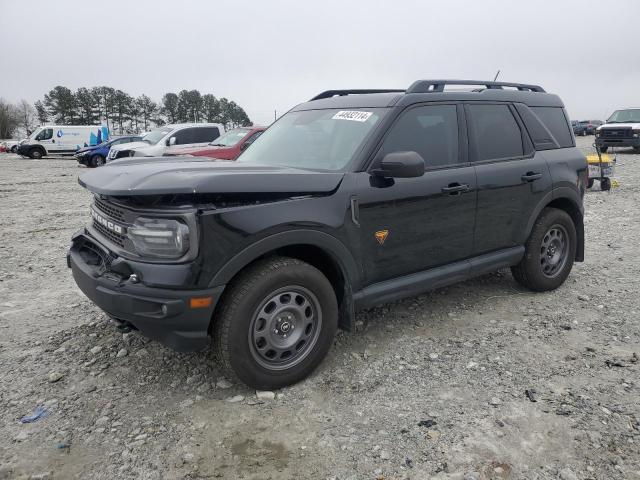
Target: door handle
{"x": 531, "y": 176}
{"x": 455, "y": 188}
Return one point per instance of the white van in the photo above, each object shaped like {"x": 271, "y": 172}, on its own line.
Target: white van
{"x": 62, "y": 139}
{"x": 157, "y": 142}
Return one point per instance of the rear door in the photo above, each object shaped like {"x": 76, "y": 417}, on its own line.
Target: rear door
{"x": 409, "y": 225}
{"x": 512, "y": 177}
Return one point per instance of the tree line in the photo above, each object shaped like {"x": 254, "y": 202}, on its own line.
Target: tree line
{"x": 122, "y": 112}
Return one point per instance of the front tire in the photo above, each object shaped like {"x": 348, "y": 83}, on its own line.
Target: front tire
{"x": 96, "y": 161}
{"x": 35, "y": 153}
{"x": 276, "y": 323}
{"x": 549, "y": 252}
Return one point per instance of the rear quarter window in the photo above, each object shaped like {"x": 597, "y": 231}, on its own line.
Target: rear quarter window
{"x": 556, "y": 121}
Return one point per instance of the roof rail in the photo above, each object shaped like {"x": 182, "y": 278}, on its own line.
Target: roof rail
{"x": 426, "y": 86}
{"x": 333, "y": 93}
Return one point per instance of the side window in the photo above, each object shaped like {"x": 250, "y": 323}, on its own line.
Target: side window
{"x": 205, "y": 134}
{"x": 184, "y": 136}
{"x": 45, "y": 134}
{"x": 252, "y": 138}
{"x": 431, "y": 131}
{"x": 496, "y": 132}
{"x": 554, "y": 119}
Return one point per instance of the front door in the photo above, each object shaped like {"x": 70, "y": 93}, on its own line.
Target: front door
{"x": 408, "y": 225}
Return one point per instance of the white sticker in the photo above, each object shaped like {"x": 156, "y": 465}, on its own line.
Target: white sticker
{"x": 352, "y": 115}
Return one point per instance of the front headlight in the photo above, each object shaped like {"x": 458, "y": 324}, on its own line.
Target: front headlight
{"x": 159, "y": 237}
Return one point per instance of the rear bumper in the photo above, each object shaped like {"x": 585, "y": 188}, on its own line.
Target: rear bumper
{"x": 160, "y": 314}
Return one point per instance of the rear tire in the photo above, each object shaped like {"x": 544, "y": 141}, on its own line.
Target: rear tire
{"x": 35, "y": 153}
{"x": 96, "y": 161}
{"x": 549, "y": 252}
{"x": 605, "y": 184}
{"x": 276, "y": 323}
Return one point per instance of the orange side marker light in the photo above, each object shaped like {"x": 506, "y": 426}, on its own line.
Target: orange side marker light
{"x": 200, "y": 302}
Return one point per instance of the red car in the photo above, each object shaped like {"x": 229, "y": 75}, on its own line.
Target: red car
{"x": 228, "y": 146}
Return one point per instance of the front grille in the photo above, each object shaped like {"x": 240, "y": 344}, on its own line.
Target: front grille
{"x": 109, "y": 209}
{"x": 109, "y": 235}
{"x": 615, "y": 133}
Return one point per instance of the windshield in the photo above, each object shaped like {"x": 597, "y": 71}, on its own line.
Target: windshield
{"x": 156, "y": 135}
{"x": 314, "y": 139}
{"x": 231, "y": 138}
{"x": 625, "y": 116}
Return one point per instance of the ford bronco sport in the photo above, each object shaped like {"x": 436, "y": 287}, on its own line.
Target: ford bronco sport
{"x": 354, "y": 198}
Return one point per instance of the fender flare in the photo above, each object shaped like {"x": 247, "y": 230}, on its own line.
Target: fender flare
{"x": 328, "y": 243}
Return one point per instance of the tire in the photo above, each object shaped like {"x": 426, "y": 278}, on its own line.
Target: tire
{"x": 604, "y": 149}
{"x": 605, "y": 184}
{"x": 540, "y": 269}
{"x": 590, "y": 183}
{"x": 14, "y": 149}
{"x": 96, "y": 161}
{"x": 35, "y": 153}
{"x": 259, "y": 313}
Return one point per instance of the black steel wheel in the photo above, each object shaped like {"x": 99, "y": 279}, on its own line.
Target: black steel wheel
{"x": 275, "y": 323}
{"x": 96, "y": 161}
{"x": 549, "y": 252}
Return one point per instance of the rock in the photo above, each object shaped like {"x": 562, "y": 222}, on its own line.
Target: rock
{"x": 142, "y": 436}
{"x": 55, "y": 377}
{"x": 41, "y": 476}
{"x": 102, "y": 420}
{"x": 495, "y": 401}
{"x": 433, "y": 434}
{"x": 377, "y": 471}
{"x": 385, "y": 455}
{"x": 433, "y": 356}
{"x": 265, "y": 395}
{"x": 188, "y": 457}
{"x": 96, "y": 350}
{"x": 567, "y": 474}
{"x": 123, "y": 352}
{"x": 142, "y": 352}
{"x": 472, "y": 365}
{"x": 223, "y": 383}
{"x": 21, "y": 436}
{"x": 584, "y": 298}
{"x": 234, "y": 399}
{"x": 59, "y": 350}
{"x": 186, "y": 403}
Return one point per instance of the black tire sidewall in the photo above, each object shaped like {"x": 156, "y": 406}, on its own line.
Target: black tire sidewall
{"x": 95, "y": 159}
{"x": 35, "y": 154}
{"x": 239, "y": 355}
{"x": 536, "y": 280}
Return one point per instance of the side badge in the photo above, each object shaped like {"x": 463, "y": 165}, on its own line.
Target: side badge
{"x": 381, "y": 236}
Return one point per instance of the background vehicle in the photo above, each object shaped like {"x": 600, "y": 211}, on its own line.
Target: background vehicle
{"x": 10, "y": 145}
{"x": 622, "y": 129}
{"x": 355, "y": 198}
{"x": 591, "y": 125}
{"x": 226, "y": 147}
{"x": 96, "y": 155}
{"x": 158, "y": 141}
{"x": 61, "y": 139}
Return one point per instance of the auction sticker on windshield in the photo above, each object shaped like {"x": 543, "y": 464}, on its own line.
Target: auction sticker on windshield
{"x": 352, "y": 115}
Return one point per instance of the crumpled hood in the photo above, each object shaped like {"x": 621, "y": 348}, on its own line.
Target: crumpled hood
{"x": 130, "y": 146}
{"x": 189, "y": 175}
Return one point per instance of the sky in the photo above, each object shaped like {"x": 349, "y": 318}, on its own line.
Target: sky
{"x": 269, "y": 55}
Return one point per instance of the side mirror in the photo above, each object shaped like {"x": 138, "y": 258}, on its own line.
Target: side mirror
{"x": 400, "y": 165}
{"x": 171, "y": 141}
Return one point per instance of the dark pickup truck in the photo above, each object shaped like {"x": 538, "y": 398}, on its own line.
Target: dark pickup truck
{"x": 355, "y": 198}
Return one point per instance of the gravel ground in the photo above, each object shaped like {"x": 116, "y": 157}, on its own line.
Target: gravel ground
{"x": 481, "y": 380}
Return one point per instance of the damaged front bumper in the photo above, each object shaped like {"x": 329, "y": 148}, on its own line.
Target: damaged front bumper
{"x": 118, "y": 286}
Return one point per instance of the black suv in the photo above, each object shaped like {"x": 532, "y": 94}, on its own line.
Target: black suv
{"x": 354, "y": 198}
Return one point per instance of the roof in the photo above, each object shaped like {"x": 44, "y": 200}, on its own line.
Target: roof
{"x": 194, "y": 124}
{"x": 433, "y": 91}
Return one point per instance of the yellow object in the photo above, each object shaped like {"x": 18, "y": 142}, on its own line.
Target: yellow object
{"x": 615, "y": 183}
{"x": 592, "y": 158}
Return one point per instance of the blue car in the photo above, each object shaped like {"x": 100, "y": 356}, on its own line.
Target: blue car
{"x": 95, "y": 156}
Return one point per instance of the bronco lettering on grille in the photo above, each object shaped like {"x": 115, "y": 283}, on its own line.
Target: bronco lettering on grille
{"x": 114, "y": 227}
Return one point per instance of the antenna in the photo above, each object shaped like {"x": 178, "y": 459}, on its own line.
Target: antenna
{"x": 496, "y": 77}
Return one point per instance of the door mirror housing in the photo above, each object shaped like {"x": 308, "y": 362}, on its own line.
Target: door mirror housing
{"x": 400, "y": 165}
{"x": 171, "y": 141}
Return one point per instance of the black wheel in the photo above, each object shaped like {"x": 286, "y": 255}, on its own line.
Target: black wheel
{"x": 14, "y": 149}
{"x": 276, "y": 323}
{"x": 590, "y": 183}
{"x": 549, "y": 252}
{"x": 605, "y": 184}
{"x": 604, "y": 149}
{"x": 96, "y": 161}
{"x": 35, "y": 153}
